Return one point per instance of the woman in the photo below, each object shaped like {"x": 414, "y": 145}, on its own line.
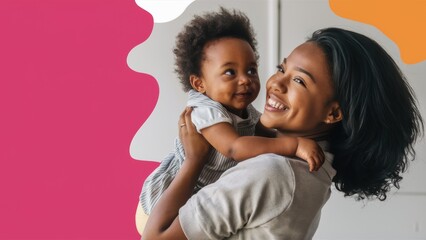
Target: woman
{"x": 339, "y": 88}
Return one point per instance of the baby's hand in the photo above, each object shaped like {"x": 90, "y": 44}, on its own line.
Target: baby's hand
{"x": 311, "y": 152}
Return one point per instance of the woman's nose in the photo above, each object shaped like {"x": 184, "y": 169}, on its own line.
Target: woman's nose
{"x": 278, "y": 83}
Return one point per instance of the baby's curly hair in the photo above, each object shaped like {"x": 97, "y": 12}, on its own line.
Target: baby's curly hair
{"x": 197, "y": 33}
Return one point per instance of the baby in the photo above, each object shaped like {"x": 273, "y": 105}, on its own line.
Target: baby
{"x": 216, "y": 61}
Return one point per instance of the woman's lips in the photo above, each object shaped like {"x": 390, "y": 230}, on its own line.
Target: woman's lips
{"x": 273, "y": 104}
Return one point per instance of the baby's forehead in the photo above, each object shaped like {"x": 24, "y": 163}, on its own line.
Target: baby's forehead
{"x": 235, "y": 44}
{"x": 226, "y": 46}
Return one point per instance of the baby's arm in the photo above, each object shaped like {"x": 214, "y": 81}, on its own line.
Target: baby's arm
{"x": 264, "y": 131}
{"x": 226, "y": 140}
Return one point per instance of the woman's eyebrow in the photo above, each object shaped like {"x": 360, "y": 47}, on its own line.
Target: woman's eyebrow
{"x": 303, "y": 71}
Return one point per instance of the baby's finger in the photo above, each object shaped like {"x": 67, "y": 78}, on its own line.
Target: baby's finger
{"x": 315, "y": 163}
{"x": 311, "y": 163}
{"x": 320, "y": 161}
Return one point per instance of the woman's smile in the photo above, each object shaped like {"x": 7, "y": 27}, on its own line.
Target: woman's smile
{"x": 274, "y": 104}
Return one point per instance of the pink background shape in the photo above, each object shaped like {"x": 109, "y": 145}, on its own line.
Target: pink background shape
{"x": 67, "y": 102}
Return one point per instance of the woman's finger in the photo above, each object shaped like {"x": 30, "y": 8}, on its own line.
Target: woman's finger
{"x": 188, "y": 122}
{"x": 181, "y": 121}
{"x": 182, "y": 124}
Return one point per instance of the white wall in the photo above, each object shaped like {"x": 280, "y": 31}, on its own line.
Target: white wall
{"x": 402, "y": 216}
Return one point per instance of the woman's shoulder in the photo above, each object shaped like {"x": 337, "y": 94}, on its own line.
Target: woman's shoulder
{"x": 264, "y": 175}
{"x": 275, "y": 162}
{"x": 287, "y": 168}
{"x": 268, "y": 167}
{"x": 265, "y": 161}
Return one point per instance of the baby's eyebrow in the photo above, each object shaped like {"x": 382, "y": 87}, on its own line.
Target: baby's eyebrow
{"x": 254, "y": 64}
{"x": 228, "y": 64}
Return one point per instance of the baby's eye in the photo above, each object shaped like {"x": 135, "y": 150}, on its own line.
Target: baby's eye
{"x": 280, "y": 68}
{"x": 252, "y": 71}
{"x": 230, "y": 72}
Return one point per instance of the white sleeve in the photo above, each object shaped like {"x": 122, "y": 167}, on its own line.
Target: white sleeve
{"x": 246, "y": 196}
{"x": 206, "y": 116}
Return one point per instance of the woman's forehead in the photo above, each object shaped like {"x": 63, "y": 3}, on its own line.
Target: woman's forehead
{"x": 311, "y": 58}
{"x": 306, "y": 53}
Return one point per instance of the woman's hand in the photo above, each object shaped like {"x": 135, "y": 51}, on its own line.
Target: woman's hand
{"x": 163, "y": 223}
{"x": 195, "y": 145}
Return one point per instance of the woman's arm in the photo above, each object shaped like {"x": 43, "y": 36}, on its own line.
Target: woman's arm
{"x": 225, "y": 139}
{"x": 163, "y": 223}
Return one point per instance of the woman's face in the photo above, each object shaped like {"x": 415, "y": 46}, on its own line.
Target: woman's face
{"x": 299, "y": 95}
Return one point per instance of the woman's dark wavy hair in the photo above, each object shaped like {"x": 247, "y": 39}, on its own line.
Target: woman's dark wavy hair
{"x": 191, "y": 41}
{"x": 381, "y": 122}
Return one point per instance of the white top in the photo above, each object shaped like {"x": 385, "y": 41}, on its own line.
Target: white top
{"x": 266, "y": 197}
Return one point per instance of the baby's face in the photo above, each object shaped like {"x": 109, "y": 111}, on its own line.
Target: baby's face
{"x": 229, "y": 73}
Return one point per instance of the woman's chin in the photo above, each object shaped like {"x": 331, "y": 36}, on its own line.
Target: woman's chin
{"x": 267, "y": 122}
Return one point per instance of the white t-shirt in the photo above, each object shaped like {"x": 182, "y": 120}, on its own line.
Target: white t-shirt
{"x": 266, "y": 197}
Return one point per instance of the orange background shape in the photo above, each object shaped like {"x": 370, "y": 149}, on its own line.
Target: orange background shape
{"x": 403, "y": 21}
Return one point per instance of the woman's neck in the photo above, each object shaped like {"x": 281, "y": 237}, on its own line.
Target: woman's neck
{"x": 317, "y": 136}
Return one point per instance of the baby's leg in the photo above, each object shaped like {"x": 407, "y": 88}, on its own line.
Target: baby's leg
{"x": 141, "y": 218}
{"x": 158, "y": 181}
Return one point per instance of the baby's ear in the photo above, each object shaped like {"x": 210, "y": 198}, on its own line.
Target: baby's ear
{"x": 197, "y": 83}
{"x": 335, "y": 114}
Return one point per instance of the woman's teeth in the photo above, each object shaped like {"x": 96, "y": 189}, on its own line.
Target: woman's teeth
{"x": 275, "y": 104}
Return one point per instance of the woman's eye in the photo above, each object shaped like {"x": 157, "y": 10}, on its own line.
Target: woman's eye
{"x": 230, "y": 72}
{"x": 300, "y": 81}
{"x": 280, "y": 68}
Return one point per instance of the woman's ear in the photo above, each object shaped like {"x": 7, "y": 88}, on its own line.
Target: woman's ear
{"x": 197, "y": 83}
{"x": 335, "y": 114}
